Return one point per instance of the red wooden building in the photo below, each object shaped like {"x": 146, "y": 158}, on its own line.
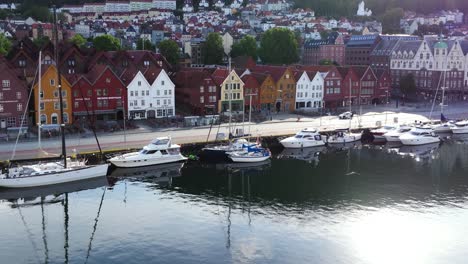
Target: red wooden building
{"x": 101, "y": 95}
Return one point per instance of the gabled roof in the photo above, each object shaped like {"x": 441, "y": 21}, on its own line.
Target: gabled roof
{"x": 276, "y": 72}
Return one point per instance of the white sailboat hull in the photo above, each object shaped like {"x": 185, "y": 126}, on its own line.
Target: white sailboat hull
{"x": 123, "y": 162}
{"x": 55, "y": 177}
{"x": 248, "y": 159}
{"x": 345, "y": 139}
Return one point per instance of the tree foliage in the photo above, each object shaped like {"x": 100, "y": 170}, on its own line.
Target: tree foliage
{"x": 213, "y": 49}
{"x": 41, "y": 41}
{"x": 391, "y": 20}
{"x": 247, "y": 46}
{"x": 106, "y": 43}
{"x": 408, "y": 85}
{"x": 5, "y": 45}
{"x": 278, "y": 46}
{"x": 170, "y": 50}
{"x": 78, "y": 40}
{"x": 144, "y": 44}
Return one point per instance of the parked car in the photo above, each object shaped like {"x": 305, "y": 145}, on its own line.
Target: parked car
{"x": 346, "y": 115}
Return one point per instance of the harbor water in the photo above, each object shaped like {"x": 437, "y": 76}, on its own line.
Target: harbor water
{"x": 346, "y": 204}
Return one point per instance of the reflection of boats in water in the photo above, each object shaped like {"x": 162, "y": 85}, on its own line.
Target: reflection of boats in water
{"x": 460, "y": 138}
{"x": 306, "y": 154}
{"x": 257, "y": 166}
{"x": 158, "y": 173}
{"x": 346, "y": 146}
{"x": 56, "y": 189}
{"x": 420, "y": 151}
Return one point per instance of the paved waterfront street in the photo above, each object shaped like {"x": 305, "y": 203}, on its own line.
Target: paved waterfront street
{"x": 280, "y": 125}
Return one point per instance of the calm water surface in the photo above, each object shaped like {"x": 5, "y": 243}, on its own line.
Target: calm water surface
{"x": 361, "y": 204}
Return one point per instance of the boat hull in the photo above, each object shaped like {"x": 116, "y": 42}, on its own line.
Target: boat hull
{"x": 463, "y": 130}
{"x": 248, "y": 159}
{"x": 345, "y": 139}
{"x": 69, "y": 175}
{"x": 213, "y": 155}
{"x": 418, "y": 141}
{"x": 129, "y": 163}
{"x": 287, "y": 143}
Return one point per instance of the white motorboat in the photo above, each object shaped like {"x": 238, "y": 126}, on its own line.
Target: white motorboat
{"x": 50, "y": 173}
{"x": 460, "y": 127}
{"x": 159, "y": 151}
{"x": 394, "y": 135}
{"x": 344, "y": 136}
{"x": 252, "y": 154}
{"x": 218, "y": 153}
{"x": 308, "y": 137}
{"x": 444, "y": 127}
{"x": 379, "y": 133}
{"x": 419, "y": 136}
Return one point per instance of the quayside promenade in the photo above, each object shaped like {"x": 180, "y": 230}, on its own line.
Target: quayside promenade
{"x": 279, "y": 126}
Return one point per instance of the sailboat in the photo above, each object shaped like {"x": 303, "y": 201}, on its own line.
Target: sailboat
{"x": 220, "y": 153}
{"x": 42, "y": 174}
{"x": 445, "y": 126}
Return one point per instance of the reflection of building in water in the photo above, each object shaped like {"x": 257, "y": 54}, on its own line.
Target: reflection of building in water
{"x": 420, "y": 153}
{"x": 452, "y": 157}
{"x": 310, "y": 155}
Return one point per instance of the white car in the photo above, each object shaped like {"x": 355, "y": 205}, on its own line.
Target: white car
{"x": 346, "y": 115}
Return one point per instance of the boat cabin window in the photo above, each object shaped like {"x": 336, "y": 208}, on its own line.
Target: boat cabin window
{"x": 143, "y": 151}
{"x": 415, "y": 133}
{"x": 163, "y": 151}
{"x": 389, "y": 127}
{"x": 307, "y": 136}
{"x": 151, "y": 152}
{"x": 298, "y": 136}
{"x": 160, "y": 141}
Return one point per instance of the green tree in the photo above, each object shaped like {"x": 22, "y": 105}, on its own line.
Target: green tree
{"x": 5, "y": 45}
{"x": 213, "y": 49}
{"x": 247, "y": 46}
{"x": 170, "y": 50}
{"x": 41, "y": 41}
{"x": 408, "y": 85}
{"x": 106, "y": 43}
{"x": 278, "y": 46}
{"x": 144, "y": 44}
{"x": 78, "y": 40}
{"x": 391, "y": 20}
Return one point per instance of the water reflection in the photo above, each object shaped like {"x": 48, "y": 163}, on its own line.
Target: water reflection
{"x": 159, "y": 174}
{"x": 310, "y": 155}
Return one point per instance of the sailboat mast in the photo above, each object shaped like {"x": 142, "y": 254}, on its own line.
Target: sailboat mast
{"x": 39, "y": 88}
{"x": 59, "y": 77}
{"x": 230, "y": 97}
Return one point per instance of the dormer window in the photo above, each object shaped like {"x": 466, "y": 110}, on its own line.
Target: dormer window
{"x": 22, "y": 63}
{"x": 71, "y": 62}
{"x": 47, "y": 60}
{"x": 146, "y": 63}
{"x": 124, "y": 63}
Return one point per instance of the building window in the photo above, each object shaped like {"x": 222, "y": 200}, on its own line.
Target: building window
{"x": 202, "y": 99}
{"x": 77, "y": 104}
{"x": 107, "y": 80}
{"x": 56, "y": 105}
{"x": 157, "y": 92}
{"x": 11, "y": 121}
{"x": 90, "y": 93}
{"x": 142, "y": 102}
{"x": 139, "y": 83}
{"x": 52, "y": 82}
{"x": 1, "y": 96}
{"x": 157, "y": 102}
{"x": 104, "y": 92}
{"x": 146, "y": 63}
{"x": 65, "y": 105}
{"x": 1, "y": 108}
{"x": 131, "y": 93}
{"x": 202, "y": 89}
{"x": 19, "y": 107}
{"x": 147, "y": 92}
{"x": 22, "y": 63}
{"x": 43, "y": 119}
{"x": 65, "y": 118}
{"x": 41, "y": 106}
{"x": 6, "y": 83}
{"x": 162, "y": 82}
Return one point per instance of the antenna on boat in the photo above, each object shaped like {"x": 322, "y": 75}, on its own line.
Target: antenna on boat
{"x": 59, "y": 77}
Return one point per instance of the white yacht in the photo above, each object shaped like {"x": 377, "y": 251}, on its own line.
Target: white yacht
{"x": 308, "y": 137}
{"x": 344, "y": 136}
{"x": 394, "y": 135}
{"x": 460, "y": 127}
{"x": 159, "y": 151}
{"x": 419, "y": 136}
{"x": 379, "y": 133}
{"x": 444, "y": 127}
